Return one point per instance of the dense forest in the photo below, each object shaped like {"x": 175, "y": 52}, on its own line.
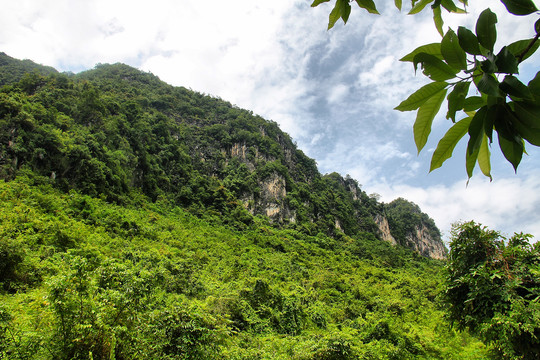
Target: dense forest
{"x": 142, "y": 220}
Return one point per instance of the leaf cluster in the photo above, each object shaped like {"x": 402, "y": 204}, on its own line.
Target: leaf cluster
{"x": 492, "y": 288}
{"x": 505, "y": 106}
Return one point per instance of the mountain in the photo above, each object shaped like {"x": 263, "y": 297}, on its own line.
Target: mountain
{"x": 114, "y": 130}
{"x": 144, "y": 221}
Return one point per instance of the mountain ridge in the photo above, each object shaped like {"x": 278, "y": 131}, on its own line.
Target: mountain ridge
{"x": 128, "y": 129}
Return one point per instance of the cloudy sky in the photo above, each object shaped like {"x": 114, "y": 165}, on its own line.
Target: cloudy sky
{"x": 332, "y": 91}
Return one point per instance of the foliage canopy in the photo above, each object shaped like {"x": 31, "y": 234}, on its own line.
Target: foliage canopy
{"x": 507, "y": 109}
{"x": 493, "y": 288}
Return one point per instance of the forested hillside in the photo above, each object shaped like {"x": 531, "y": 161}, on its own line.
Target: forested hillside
{"x": 141, "y": 220}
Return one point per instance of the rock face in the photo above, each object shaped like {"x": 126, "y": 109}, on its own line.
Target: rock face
{"x": 384, "y": 228}
{"x": 423, "y": 242}
{"x": 272, "y": 198}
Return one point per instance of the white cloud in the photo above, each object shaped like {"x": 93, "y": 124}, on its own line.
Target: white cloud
{"x": 507, "y": 204}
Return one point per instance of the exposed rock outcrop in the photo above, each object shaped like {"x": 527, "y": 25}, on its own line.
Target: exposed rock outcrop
{"x": 384, "y": 228}
{"x": 423, "y": 242}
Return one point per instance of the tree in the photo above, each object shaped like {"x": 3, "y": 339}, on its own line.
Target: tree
{"x": 506, "y": 107}
{"x": 493, "y": 289}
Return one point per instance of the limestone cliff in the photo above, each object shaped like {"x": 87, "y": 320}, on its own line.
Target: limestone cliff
{"x": 384, "y": 229}
{"x": 422, "y": 241}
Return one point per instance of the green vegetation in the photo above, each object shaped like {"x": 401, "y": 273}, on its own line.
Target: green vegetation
{"x": 509, "y": 108}
{"x": 139, "y": 220}
{"x": 493, "y": 288}
{"x": 83, "y": 278}
{"x": 404, "y": 217}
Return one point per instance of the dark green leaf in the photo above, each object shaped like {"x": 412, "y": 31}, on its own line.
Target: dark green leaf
{"x": 512, "y": 150}
{"x": 527, "y": 122}
{"x": 486, "y": 30}
{"x": 432, "y": 49}
{"x": 506, "y": 62}
{"x": 473, "y": 103}
{"x": 515, "y": 88}
{"x": 489, "y": 122}
{"x": 505, "y": 118}
{"x": 520, "y": 7}
{"x": 398, "y": 4}
{"x": 476, "y": 130}
{"x": 424, "y": 118}
{"x": 488, "y": 66}
{"x": 452, "y": 52}
{"x": 468, "y": 41}
{"x": 318, "y": 2}
{"x": 369, "y": 5}
{"x": 456, "y": 99}
{"x": 470, "y": 161}
{"x": 537, "y": 26}
{"x": 419, "y": 6}
{"x": 420, "y": 96}
{"x": 434, "y": 68}
{"x": 342, "y": 10}
{"x": 446, "y": 145}
{"x": 534, "y": 85}
{"x": 345, "y": 10}
{"x": 489, "y": 85}
{"x": 518, "y": 48}
{"x": 449, "y": 5}
{"x": 438, "y": 20}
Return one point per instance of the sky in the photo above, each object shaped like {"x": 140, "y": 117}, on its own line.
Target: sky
{"x": 332, "y": 91}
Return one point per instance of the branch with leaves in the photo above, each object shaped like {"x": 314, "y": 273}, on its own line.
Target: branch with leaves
{"x": 501, "y": 104}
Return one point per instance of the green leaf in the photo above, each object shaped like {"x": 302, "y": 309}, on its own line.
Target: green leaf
{"x": 527, "y": 122}
{"x": 420, "y": 96}
{"x": 506, "y": 62}
{"x": 537, "y": 26}
{"x": 486, "y": 30}
{"x": 512, "y": 150}
{"x": 470, "y": 162}
{"x": 489, "y": 85}
{"x": 484, "y": 156}
{"x": 342, "y": 10}
{"x": 398, "y": 4}
{"x": 468, "y": 41}
{"x": 517, "y": 48}
{"x": 489, "y": 122}
{"x": 504, "y": 121}
{"x": 534, "y": 87}
{"x": 476, "y": 130}
{"x": 450, "y": 6}
{"x": 419, "y": 6}
{"x": 520, "y": 7}
{"x": 515, "y": 88}
{"x": 318, "y": 2}
{"x": 488, "y": 65}
{"x": 432, "y": 49}
{"x": 446, "y": 145}
{"x": 456, "y": 99}
{"x": 452, "y": 52}
{"x": 473, "y": 103}
{"x": 424, "y": 118}
{"x": 438, "y": 20}
{"x": 434, "y": 68}
{"x": 369, "y": 5}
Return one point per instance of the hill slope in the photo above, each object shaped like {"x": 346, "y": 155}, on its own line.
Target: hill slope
{"x": 139, "y": 220}
{"x": 114, "y": 130}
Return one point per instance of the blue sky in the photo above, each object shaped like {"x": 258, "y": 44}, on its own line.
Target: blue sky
{"x": 332, "y": 91}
